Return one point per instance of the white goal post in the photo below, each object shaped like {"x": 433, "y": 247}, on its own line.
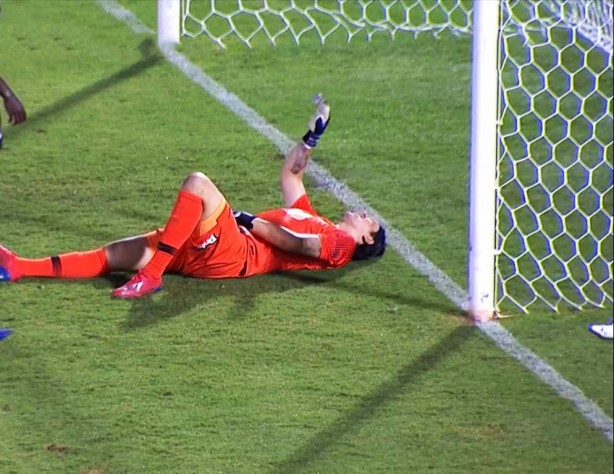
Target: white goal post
{"x": 483, "y": 169}
{"x": 169, "y": 22}
{"x": 541, "y": 154}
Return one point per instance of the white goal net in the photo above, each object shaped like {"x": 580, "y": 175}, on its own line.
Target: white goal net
{"x": 554, "y": 191}
{"x": 324, "y": 20}
{"x": 555, "y": 203}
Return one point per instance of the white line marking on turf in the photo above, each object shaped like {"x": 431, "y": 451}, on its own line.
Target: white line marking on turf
{"x": 323, "y": 179}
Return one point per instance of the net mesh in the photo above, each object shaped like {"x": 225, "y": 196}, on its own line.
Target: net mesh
{"x": 555, "y": 166}
{"x": 295, "y": 20}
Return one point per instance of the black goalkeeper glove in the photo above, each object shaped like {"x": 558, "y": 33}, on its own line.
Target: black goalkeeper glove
{"x": 244, "y": 219}
{"x": 318, "y": 123}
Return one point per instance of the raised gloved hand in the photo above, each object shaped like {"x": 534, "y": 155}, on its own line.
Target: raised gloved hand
{"x": 318, "y": 123}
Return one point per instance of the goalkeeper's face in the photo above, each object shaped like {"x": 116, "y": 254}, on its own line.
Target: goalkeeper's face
{"x": 364, "y": 225}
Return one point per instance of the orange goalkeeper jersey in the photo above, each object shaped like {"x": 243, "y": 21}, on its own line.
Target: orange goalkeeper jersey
{"x": 337, "y": 246}
{"x": 219, "y": 248}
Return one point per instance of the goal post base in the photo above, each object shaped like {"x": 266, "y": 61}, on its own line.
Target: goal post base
{"x": 482, "y": 316}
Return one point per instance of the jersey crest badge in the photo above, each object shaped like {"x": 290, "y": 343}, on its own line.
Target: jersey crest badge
{"x": 210, "y": 241}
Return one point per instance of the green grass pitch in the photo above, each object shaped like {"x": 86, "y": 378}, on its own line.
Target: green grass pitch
{"x": 365, "y": 370}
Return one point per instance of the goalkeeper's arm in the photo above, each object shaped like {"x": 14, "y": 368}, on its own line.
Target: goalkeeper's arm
{"x": 291, "y": 175}
{"x": 307, "y": 245}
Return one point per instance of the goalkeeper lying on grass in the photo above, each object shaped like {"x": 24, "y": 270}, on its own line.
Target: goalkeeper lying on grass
{"x": 204, "y": 238}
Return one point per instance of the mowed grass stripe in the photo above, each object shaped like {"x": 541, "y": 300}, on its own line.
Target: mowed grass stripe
{"x": 365, "y": 370}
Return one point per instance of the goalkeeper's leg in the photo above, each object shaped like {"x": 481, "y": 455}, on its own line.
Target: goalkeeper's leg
{"x": 197, "y": 200}
{"x": 135, "y": 253}
{"x": 122, "y": 255}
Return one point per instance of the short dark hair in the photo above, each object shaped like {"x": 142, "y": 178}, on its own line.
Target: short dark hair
{"x": 376, "y": 249}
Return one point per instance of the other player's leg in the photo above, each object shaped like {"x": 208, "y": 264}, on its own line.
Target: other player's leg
{"x": 5, "y": 332}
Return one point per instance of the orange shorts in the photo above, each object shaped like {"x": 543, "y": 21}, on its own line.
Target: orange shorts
{"x": 218, "y": 248}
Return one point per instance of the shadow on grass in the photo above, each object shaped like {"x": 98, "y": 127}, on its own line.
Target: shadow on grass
{"x": 34, "y": 393}
{"x": 370, "y": 403}
{"x": 357, "y": 287}
{"x": 150, "y": 58}
{"x": 182, "y": 294}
